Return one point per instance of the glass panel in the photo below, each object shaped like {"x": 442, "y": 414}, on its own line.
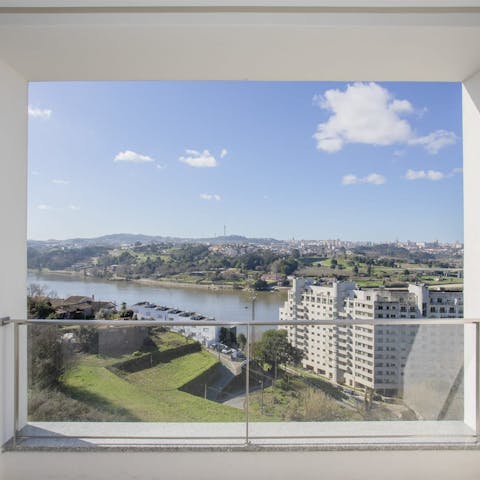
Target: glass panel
{"x": 305, "y": 373}
{"x": 305, "y": 381}
{"x": 131, "y": 374}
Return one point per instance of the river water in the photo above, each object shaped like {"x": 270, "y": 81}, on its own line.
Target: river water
{"x": 226, "y": 306}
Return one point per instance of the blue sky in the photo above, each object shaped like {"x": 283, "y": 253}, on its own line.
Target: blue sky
{"x": 312, "y": 160}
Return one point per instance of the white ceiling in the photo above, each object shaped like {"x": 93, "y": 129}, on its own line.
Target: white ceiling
{"x": 267, "y": 44}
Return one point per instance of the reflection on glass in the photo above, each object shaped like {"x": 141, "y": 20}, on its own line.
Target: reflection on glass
{"x": 130, "y": 373}
{"x": 309, "y": 373}
{"x": 358, "y": 373}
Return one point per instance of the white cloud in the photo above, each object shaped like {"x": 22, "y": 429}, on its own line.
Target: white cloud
{"x": 401, "y": 106}
{"x": 349, "y": 179}
{"x": 73, "y": 207}
{"x": 375, "y": 179}
{"x": 161, "y": 166}
{"x": 133, "y": 157}
{"x": 372, "y": 178}
{"x": 199, "y": 159}
{"x": 433, "y": 175}
{"x": 435, "y": 141}
{"x": 363, "y": 113}
{"x": 43, "y": 113}
{"x": 210, "y": 196}
{"x": 223, "y": 153}
{"x": 58, "y": 181}
{"x": 367, "y": 113}
{"x": 43, "y": 206}
{"x": 35, "y": 172}
{"x": 415, "y": 174}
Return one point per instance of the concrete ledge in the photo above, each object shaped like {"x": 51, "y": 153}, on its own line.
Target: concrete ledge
{"x": 263, "y": 436}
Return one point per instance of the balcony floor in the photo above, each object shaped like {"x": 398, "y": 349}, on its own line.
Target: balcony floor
{"x": 231, "y": 436}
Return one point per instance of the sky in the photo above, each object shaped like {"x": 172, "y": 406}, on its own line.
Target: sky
{"x": 306, "y": 160}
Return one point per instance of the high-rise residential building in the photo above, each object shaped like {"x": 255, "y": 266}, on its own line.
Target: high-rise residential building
{"x": 368, "y": 356}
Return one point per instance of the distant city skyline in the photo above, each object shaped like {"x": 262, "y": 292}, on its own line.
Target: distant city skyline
{"x": 358, "y": 161}
{"x": 237, "y": 236}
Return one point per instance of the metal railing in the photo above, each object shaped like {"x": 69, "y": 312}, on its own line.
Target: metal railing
{"x": 248, "y": 326}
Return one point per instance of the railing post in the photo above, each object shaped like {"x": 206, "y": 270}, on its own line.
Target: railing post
{"x": 477, "y": 381}
{"x": 247, "y": 386}
{"x": 16, "y": 382}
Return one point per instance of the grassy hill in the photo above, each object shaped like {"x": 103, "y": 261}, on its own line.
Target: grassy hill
{"x": 150, "y": 395}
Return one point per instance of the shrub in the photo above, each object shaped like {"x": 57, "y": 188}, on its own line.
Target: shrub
{"x": 54, "y": 405}
{"x": 48, "y": 356}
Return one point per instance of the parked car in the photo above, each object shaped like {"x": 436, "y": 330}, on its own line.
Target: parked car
{"x": 238, "y": 356}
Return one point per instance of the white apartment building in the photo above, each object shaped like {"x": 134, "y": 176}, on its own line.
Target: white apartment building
{"x": 205, "y": 334}
{"x": 365, "y": 356}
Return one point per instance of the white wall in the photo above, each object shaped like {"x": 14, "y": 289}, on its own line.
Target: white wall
{"x": 411, "y": 465}
{"x": 262, "y": 45}
{"x": 13, "y": 230}
{"x": 372, "y": 47}
{"x": 471, "y": 165}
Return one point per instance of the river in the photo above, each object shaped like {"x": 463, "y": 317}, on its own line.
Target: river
{"x": 227, "y": 306}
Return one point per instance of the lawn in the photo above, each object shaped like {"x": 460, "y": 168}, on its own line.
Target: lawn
{"x": 436, "y": 280}
{"x": 150, "y": 395}
{"x": 368, "y": 283}
{"x": 167, "y": 340}
{"x": 174, "y": 374}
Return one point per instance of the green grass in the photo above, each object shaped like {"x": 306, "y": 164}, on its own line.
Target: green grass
{"x": 164, "y": 380}
{"x": 97, "y": 386}
{"x": 293, "y": 400}
{"x": 432, "y": 280}
{"x": 368, "y": 283}
{"x": 168, "y": 340}
{"x": 151, "y": 395}
{"x": 174, "y": 374}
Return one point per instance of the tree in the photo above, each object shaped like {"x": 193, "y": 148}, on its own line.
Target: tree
{"x": 49, "y": 356}
{"x": 287, "y": 266}
{"x": 355, "y": 270}
{"x": 40, "y": 308}
{"x": 227, "y": 336}
{"x": 274, "y": 348}
{"x": 39, "y": 301}
{"x": 260, "y": 285}
{"x": 369, "y": 269}
{"x": 333, "y": 263}
{"x": 241, "y": 340}
{"x": 45, "y": 356}
{"x": 124, "y": 312}
{"x": 88, "y": 339}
